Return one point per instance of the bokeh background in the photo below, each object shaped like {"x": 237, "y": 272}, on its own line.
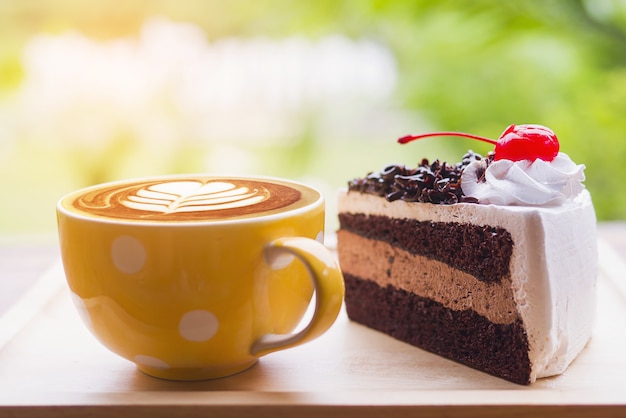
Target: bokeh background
{"x": 92, "y": 91}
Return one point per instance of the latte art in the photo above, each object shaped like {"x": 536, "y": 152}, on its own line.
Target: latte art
{"x": 192, "y": 196}
{"x": 190, "y": 199}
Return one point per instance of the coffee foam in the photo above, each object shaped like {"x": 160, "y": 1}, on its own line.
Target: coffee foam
{"x": 194, "y": 196}
{"x": 189, "y": 199}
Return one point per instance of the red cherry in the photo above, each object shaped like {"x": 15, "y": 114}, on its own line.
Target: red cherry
{"x": 527, "y": 142}
{"x": 517, "y": 142}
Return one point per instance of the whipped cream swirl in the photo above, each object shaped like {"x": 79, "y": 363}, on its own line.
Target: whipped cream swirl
{"x": 524, "y": 183}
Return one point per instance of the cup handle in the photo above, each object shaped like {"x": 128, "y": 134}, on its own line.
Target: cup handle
{"x": 329, "y": 291}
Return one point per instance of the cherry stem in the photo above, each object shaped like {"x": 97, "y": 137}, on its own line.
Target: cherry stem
{"x": 409, "y": 138}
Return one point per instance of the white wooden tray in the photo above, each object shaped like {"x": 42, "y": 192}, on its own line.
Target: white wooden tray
{"x": 50, "y": 365}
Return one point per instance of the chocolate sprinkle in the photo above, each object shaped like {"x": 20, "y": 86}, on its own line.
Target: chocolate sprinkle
{"x": 437, "y": 183}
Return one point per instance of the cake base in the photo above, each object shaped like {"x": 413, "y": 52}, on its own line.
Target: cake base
{"x": 498, "y": 349}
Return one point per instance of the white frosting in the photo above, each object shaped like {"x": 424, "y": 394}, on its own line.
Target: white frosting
{"x": 553, "y": 266}
{"x": 524, "y": 183}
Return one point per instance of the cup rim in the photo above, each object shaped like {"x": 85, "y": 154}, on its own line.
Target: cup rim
{"x": 61, "y": 209}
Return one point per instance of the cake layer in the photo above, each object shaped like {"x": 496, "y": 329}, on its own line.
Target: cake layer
{"x": 387, "y": 265}
{"x": 463, "y": 336}
{"x": 483, "y": 251}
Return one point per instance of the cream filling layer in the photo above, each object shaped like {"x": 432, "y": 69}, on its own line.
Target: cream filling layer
{"x": 385, "y": 265}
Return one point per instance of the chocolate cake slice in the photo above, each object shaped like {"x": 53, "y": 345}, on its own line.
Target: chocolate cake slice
{"x": 506, "y": 289}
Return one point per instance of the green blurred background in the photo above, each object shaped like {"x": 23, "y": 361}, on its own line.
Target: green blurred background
{"x": 312, "y": 90}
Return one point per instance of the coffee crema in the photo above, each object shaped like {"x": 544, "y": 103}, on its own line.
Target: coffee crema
{"x": 190, "y": 199}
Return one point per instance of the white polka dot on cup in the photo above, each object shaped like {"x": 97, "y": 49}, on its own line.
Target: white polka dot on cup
{"x": 128, "y": 254}
{"x": 81, "y": 307}
{"x": 198, "y": 325}
{"x": 280, "y": 261}
{"x": 150, "y": 361}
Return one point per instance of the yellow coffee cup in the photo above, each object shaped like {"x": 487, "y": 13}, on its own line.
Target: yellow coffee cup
{"x": 195, "y": 277}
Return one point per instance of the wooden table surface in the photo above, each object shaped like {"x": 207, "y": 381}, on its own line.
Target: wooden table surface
{"x": 51, "y": 366}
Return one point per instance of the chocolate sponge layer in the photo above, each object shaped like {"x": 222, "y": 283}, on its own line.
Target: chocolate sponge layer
{"x": 482, "y": 251}
{"x": 463, "y": 336}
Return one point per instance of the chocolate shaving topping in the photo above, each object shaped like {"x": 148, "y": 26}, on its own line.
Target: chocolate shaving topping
{"x": 437, "y": 183}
